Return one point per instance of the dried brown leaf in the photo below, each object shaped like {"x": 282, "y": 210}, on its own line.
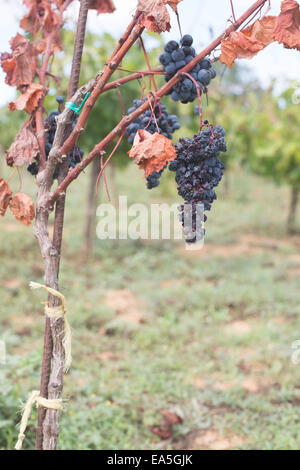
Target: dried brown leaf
{"x": 156, "y": 16}
{"x": 28, "y": 100}
{"x": 165, "y": 429}
{"x": 22, "y": 208}
{"x": 20, "y": 65}
{"x": 173, "y": 4}
{"x": 151, "y": 152}
{"x": 30, "y": 3}
{"x": 287, "y": 25}
{"x": 161, "y": 432}
{"x": 102, "y": 6}
{"x": 5, "y": 196}
{"x": 24, "y": 148}
{"x": 42, "y": 17}
{"x": 171, "y": 418}
{"x": 248, "y": 42}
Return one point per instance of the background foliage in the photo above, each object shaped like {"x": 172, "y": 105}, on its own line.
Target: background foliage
{"x": 207, "y": 336}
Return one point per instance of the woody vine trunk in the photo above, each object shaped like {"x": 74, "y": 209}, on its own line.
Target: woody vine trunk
{"x": 51, "y": 385}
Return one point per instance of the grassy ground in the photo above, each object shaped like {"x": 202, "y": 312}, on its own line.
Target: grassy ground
{"x": 206, "y": 336}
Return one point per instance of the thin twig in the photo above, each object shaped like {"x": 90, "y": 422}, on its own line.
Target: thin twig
{"x": 199, "y": 97}
{"x": 232, "y": 9}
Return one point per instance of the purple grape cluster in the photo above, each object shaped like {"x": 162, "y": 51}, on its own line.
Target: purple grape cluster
{"x": 167, "y": 124}
{"x": 177, "y": 56}
{"x": 75, "y": 154}
{"x": 153, "y": 179}
{"x": 198, "y": 170}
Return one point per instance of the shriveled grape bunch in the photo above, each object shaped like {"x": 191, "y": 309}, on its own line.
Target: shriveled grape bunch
{"x": 75, "y": 155}
{"x": 198, "y": 170}
{"x": 177, "y": 56}
{"x": 167, "y": 124}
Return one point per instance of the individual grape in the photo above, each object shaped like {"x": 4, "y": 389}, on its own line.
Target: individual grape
{"x": 165, "y": 58}
{"x": 175, "y": 96}
{"x": 188, "y": 59}
{"x": 171, "y": 46}
{"x": 198, "y": 171}
{"x": 178, "y": 55}
{"x": 187, "y": 51}
{"x": 205, "y": 64}
{"x": 171, "y": 69}
{"x": 204, "y": 77}
{"x": 179, "y": 65}
{"x": 186, "y": 40}
{"x": 33, "y": 168}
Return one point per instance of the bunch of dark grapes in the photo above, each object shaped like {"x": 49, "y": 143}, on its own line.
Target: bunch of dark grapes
{"x": 75, "y": 154}
{"x": 177, "y": 56}
{"x": 153, "y": 179}
{"x": 167, "y": 125}
{"x": 198, "y": 171}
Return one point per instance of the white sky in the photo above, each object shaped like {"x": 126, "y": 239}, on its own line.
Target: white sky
{"x": 196, "y": 16}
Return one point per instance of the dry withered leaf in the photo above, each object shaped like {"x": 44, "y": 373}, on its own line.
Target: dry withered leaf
{"x": 102, "y": 6}
{"x": 28, "y": 100}
{"x": 30, "y": 3}
{"x": 5, "y": 196}
{"x": 24, "y": 148}
{"x": 173, "y": 4}
{"x": 156, "y": 16}
{"x": 248, "y": 42}
{"x": 163, "y": 433}
{"x": 151, "y": 152}
{"x": 171, "y": 418}
{"x": 40, "y": 15}
{"x": 165, "y": 429}
{"x": 287, "y": 25}
{"x": 22, "y": 208}
{"x": 20, "y": 65}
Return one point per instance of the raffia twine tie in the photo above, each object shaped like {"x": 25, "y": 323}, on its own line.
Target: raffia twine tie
{"x": 54, "y": 404}
{"x": 58, "y": 312}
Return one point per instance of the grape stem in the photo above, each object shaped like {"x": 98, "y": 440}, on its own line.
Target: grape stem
{"x": 106, "y": 162}
{"x": 150, "y": 70}
{"x": 232, "y": 9}
{"x": 199, "y": 97}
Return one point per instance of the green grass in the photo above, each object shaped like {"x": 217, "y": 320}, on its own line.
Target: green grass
{"x": 210, "y": 336}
